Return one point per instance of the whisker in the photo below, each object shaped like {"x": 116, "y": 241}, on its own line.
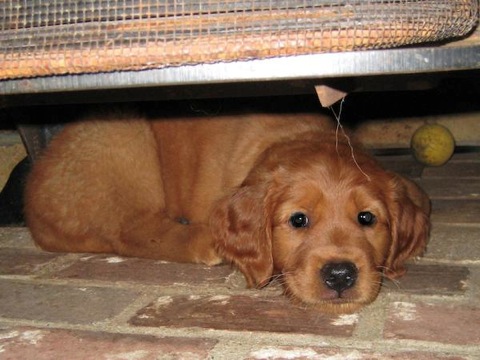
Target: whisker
{"x": 278, "y": 279}
{"x": 383, "y": 268}
{"x": 394, "y": 281}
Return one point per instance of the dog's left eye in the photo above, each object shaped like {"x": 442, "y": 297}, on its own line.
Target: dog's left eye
{"x": 366, "y": 218}
{"x": 299, "y": 220}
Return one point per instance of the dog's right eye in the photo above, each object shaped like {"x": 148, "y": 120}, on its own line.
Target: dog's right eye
{"x": 299, "y": 220}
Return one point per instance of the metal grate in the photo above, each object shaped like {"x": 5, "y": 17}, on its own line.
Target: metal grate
{"x": 39, "y": 38}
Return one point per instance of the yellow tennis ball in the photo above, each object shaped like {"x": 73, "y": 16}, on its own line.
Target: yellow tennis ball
{"x": 433, "y": 144}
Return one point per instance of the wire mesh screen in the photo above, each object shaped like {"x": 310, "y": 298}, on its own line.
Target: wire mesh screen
{"x": 39, "y": 38}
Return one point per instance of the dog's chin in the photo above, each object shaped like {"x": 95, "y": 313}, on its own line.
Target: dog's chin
{"x": 328, "y": 301}
{"x": 336, "y": 306}
{"x": 340, "y": 306}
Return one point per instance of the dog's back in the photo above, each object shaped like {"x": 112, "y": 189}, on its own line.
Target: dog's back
{"x": 131, "y": 186}
{"x": 92, "y": 175}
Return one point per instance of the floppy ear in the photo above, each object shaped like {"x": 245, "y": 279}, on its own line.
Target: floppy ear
{"x": 242, "y": 233}
{"x": 409, "y": 225}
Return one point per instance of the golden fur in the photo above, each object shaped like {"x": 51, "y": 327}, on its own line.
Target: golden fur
{"x": 205, "y": 190}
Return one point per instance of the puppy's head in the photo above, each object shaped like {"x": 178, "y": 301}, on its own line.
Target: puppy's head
{"x": 332, "y": 225}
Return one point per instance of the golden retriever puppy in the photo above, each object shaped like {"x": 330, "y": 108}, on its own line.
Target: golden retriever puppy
{"x": 273, "y": 194}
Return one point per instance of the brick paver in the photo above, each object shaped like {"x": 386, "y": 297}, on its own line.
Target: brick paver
{"x": 457, "y": 169}
{"x": 433, "y": 279}
{"x": 302, "y": 353}
{"x": 439, "y": 188}
{"x": 61, "y": 303}
{"x": 244, "y": 313}
{"x": 43, "y": 344}
{"x": 443, "y": 323}
{"x": 454, "y": 242}
{"x": 16, "y": 237}
{"x": 24, "y": 261}
{"x": 144, "y": 271}
{"x": 456, "y": 212}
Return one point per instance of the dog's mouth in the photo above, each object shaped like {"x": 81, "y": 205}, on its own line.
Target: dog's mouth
{"x": 337, "y": 298}
{"x": 346, "y": 295}
{"x": 336, "y": 305}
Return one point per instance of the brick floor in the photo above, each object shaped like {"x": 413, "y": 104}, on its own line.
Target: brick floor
{"x": 242, "y": 313}
{"x": 444, "y": 323}
{"x": 282, "y": 353}
{"x": 40, "y": 344}
{"x": 115, "y": 268}
{"x": 83, "y": 306}
{"x": 453, "y": 242}
{"x": 61, "y": 303}
{"x": 24, "y": 261}
{"x": 433, "y": 279}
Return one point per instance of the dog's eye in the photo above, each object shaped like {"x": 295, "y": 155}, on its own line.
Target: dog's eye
{"x": 366, "y": 218}
{"x": 299, "y": 220}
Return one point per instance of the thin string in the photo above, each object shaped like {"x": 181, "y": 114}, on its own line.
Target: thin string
{"x": 340, "y": 128}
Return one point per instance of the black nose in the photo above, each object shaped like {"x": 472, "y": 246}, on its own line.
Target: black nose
{"x": 339, "y": 276}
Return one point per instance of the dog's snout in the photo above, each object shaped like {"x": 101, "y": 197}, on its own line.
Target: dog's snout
{"x": 339, "y": 276}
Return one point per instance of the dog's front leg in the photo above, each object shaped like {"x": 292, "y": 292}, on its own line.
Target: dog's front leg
{"x": 159, "y": 237}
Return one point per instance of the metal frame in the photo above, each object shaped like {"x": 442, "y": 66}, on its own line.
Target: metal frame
{"x": 267, "y": 74}
{"x": 332, "y": 65}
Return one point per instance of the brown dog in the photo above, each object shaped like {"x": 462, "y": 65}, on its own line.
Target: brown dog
{"x": 274, "y": 194}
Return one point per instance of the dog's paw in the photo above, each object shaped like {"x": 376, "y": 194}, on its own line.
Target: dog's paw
{"x": 202, "y": 248}
{"x": 213, "y": 260}
{"x": 209, "y": 257}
